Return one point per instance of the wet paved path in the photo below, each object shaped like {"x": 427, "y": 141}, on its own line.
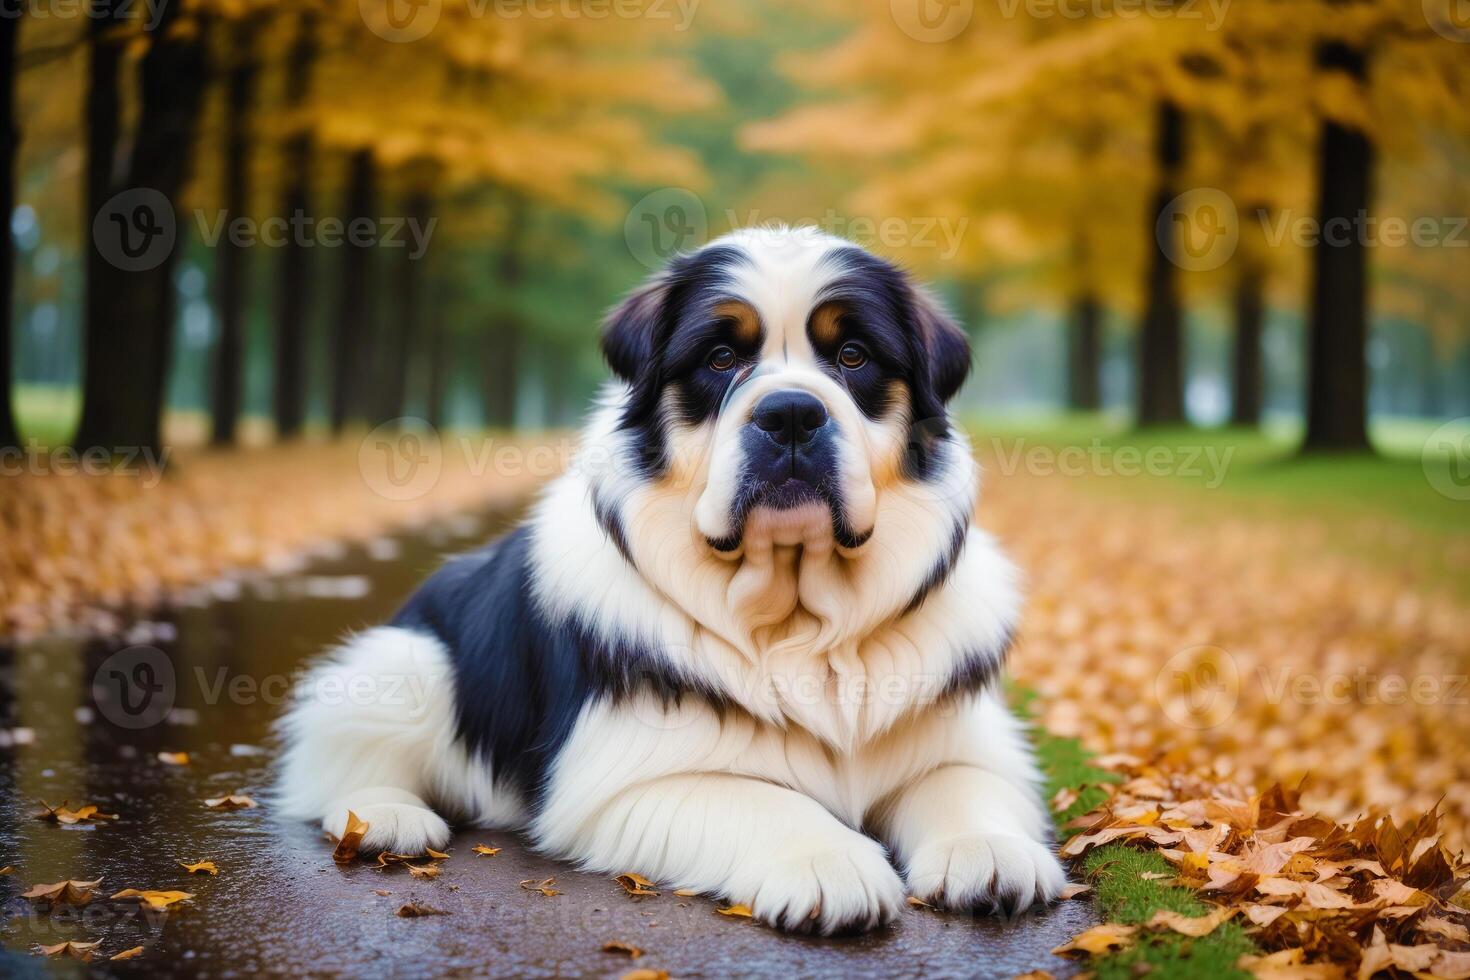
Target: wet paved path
{"x": 213, "y": 674}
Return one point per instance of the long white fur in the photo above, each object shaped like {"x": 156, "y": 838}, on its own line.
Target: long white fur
{"x": 838, "y": 724}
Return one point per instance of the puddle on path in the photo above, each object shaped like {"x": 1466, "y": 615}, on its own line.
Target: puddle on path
{"x": 209, "y": 679}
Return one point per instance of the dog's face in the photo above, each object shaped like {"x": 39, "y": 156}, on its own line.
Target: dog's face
{"x": 782, "y": 380}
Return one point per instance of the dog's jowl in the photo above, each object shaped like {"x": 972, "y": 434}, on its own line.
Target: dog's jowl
{"x": 748, "y": 644}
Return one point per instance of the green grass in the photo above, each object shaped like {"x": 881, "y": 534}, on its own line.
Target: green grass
{"x": 1124, "y": 895}
{"x": 1064, "y": 763}
{"x": 1243, "y": 465}
{"x": 47, "y": 413}
{"x": 1116, "y": 872}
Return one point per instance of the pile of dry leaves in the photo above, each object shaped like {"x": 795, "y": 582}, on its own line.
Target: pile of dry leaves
{"x": 73, "y": 544}
{"x": 1321, "y": 898}
{"x": 1242, "y": 639}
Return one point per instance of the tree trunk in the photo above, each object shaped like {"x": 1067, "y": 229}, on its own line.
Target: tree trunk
{"x": 438, "y": 363}
{"x": 130, "y": 320}
{"x": 503, "y": 340}
{"x": 1337, "y": 378}
{"x": 501, "y": 356}
{"x": 404, "y": 333}
{"x": 102, "y": 346}
{"x": 232, "y": 271}
{"x": 352, "y": 333}
{"x": 1161, "y": 336}
{"x": 9, "y": 144}
{"x": 1084, "y": 355}
{"x": 1250, "y": 311}
{"x": 293, "y": 297}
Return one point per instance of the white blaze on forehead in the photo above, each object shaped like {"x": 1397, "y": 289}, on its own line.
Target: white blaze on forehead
{"x": 785, "y": 275}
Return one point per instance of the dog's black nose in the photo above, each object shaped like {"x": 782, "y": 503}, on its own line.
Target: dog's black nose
{"x": 790, "y": 416}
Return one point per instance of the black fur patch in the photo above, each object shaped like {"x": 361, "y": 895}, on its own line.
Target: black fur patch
{"x": 521, "y": 679}
{"x": 611, "y": 522}
{"x": 910, "y": 341}
{"x": 946, "y": 563}
{"x": 977, "y": 670}
{"x": 660, "y": 340}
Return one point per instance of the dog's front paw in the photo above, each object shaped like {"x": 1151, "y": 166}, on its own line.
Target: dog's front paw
{"x": 997, "y": 872}
{"x": 400, "y": 828}
{"x": 848, "y": 887}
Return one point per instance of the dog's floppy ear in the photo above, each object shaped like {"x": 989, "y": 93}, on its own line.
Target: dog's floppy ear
{"x": 945, "y": 343}
{"x": 628, "y": 331}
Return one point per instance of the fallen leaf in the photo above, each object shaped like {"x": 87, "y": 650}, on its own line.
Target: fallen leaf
{"x": 736, "y": 911}
{"x": 346, "y": 849}
{"x": 1444, "y": 927}
{"x": 1198, "y": 925}
{"x": 415, "y": 910}
{"x": 645, "y": 974}
{"x": 382, "y": 891}
{"x": 1287, "y": 964}
{"x": 235, "y": 801}
{"x": 174, "y": 758}
{"x": 199, "y": 867}
{"x": 76, "y": 950}
{"x": 128, "y": 954}
{"x": 618, "y": 946}
{"x": 544, "y": 887}
{"x": 436, "y": 855}
{"x": 158, "y": 901}
{"x": 1451, "y": 966}
{"x": 387, "y": 859}
{"x": 1397, "y": 893}
{"x": 917, "y": 902}
{"x": 70, "y": 892}
{"x": 1263, "y": 915}
{"x": 685, "y": 892}
{"x": 1072, "y": 890}
{"x": 635, "y": 884}
{"x": 423, "y": 870}
{"x": 7, "y": 870}
{"x": 1099, "y": 939}
{"x": 61, "y": 815}
{"x": 484, "y": 851}
{"x": 1034, "y": 975}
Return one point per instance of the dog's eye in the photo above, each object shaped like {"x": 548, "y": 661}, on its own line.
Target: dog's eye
{"x": 852, "y": 356}
{"x": 722, "y": 358}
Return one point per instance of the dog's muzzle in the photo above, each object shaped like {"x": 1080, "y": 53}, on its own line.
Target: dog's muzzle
{"x": 789, "y": 456}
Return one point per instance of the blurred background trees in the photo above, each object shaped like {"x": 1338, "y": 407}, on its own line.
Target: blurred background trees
{"x": 1171, "y": 212}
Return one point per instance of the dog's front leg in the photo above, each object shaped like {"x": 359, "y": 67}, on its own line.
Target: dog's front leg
{"x": 780, "y": 853}
{"x": 970, "y": 838}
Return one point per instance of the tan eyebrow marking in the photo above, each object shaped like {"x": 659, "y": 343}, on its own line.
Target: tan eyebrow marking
{"x": 747, "y": 321}
{"x": 825, "y": 325}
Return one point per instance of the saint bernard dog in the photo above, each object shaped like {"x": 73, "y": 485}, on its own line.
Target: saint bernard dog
{"x": 748, "y": 644}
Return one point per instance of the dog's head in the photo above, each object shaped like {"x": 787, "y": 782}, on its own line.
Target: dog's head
{"x": 782, "y": 380}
